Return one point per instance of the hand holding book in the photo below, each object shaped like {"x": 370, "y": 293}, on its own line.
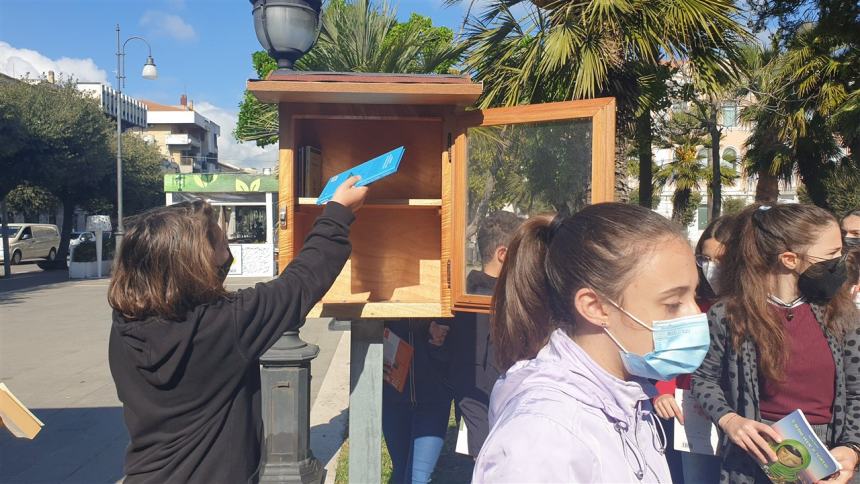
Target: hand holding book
{"x": 349, "y": 195}
{"x": 750, "y": 435}
{"x": 847, "y": 458}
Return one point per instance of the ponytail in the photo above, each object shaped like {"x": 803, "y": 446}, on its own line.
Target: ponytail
{"x": 521, "y": 319}
{"x": 549, "y": 259}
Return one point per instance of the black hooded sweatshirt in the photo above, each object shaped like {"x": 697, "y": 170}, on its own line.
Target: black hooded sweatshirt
{"x": 191, "y": 389}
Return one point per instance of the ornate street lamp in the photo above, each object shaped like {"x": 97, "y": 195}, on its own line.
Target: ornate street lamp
{"x": 287, "y": 29}
{"x": 149, "y": 72}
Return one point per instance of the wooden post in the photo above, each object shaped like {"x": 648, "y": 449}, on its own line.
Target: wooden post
{"x": 365, "y": 401}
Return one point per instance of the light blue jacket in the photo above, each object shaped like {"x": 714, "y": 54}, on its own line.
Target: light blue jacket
{"x": 562, "y": 418}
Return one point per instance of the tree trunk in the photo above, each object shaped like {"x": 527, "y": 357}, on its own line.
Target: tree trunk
{"x": 7, "y": 257}
{"x": 812, "y": 171}
{"x": 622, "y": 188}
{"x": 767, "y": 188}
{"x": 716, "y": 198}
{"x": 65, "y": 231}
{"x": 680, "y": 200}
{"x": 646, "y": 160}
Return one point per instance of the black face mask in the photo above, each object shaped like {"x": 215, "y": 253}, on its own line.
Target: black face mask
{"x": 225, "y": 267}
{"x": 822, "y": 280}
{"x": 851, "y": 243}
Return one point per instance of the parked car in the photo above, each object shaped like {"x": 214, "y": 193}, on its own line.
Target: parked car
{"x": 32, "y": 241}
{"x": 78, "y": 237}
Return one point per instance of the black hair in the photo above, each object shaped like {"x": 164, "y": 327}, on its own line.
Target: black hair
{"x": 495, "y": 231}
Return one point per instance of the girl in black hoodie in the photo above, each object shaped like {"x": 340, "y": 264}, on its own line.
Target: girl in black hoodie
{"x": 184, "y": 353}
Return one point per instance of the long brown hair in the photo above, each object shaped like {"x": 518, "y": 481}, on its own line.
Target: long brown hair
{"x": 760, "y": 235}
{"x": 165, "y": 266}
{"x": 549, "y": 259}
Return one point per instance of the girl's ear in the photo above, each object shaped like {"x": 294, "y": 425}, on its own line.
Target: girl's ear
{"x": 789, "y": 260}
{"x": 590, "y": 306}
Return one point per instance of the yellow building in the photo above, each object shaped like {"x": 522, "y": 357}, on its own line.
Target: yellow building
{"x": 187, "y": 139}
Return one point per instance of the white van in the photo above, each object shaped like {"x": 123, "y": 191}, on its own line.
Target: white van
{"x": 31, "y": 241}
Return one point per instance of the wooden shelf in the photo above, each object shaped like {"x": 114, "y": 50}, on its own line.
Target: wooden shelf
{"x": 389, "y": 203}
{"x": 378, "y": 310}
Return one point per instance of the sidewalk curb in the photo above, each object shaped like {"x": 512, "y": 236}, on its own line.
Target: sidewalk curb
{"x": 330, "y": 413}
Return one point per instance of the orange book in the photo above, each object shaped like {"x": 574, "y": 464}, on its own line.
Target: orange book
{"x": 16, "y": 417}
{"x": 397, "y": 356}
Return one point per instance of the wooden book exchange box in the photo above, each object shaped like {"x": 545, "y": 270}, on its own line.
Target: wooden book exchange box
{"x": 415, "y": 240}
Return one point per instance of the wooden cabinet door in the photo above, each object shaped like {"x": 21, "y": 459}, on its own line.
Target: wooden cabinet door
{"x": 512, "y": 163}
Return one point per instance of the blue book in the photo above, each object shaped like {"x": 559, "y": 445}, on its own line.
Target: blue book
{"x": 369, "y": 171}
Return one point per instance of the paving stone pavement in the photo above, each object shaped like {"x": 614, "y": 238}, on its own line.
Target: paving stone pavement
{"x": 53, "y": 356}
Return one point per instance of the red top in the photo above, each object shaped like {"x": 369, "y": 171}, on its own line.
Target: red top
{"x": 809, "y": 377}
{"x": 683, "y": 381}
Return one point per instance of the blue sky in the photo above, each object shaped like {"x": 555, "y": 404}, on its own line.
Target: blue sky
{"x": 201, "y": 47}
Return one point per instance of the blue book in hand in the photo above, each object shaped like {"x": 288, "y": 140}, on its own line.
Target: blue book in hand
{"x": 369, "y": 171}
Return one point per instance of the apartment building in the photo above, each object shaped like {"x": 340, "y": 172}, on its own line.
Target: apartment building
{"x": 187, "y": 139}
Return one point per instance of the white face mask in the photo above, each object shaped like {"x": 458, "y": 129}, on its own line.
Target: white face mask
{"x": 711, "y": 271}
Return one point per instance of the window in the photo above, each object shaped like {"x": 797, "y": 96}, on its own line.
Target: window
{"x": 243, "y": 224}
{"x": 703, "y": 217}
{"x": 703, "y": 155}
{"x": 11, "y": 230}
{"x": 27, "y": 232}
{"x": 513, "y": 163}
{"x": 538, "y": 167}
{"x": 730, "y": 115}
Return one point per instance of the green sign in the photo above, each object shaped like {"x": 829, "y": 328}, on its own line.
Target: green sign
{"x": 219, "y": 182}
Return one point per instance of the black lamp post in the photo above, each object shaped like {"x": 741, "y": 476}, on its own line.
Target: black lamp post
{"x": 287, "y": 29}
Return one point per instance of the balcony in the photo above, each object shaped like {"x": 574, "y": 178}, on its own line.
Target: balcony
{"x": 181, "y": 140}
{"x": 188, "y": 164}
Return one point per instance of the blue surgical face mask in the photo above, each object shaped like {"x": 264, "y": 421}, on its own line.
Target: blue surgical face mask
{"x": 680, "y": 346}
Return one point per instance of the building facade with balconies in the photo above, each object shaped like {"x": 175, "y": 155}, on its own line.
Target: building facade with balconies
{"x": 187, "y": 139}
{"x": 133, "y": 111}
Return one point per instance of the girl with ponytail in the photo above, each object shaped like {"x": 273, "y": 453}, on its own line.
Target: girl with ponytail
{"x": 587, "y": 310}
{"x": 784, "y": 336}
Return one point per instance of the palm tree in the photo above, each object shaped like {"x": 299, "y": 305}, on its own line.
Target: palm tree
{"x": 355, "y": 37}
{"x": 561, "y": 50}
{"x": 808, "y": 102}
{"x": 767, "y": 157}
{"x": 687, "y": 172}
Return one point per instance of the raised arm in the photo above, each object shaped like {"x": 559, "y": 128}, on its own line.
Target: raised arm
{"x": 264, "y": 312}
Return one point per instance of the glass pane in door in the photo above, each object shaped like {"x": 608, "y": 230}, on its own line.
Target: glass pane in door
{"x": 516, "y": 171}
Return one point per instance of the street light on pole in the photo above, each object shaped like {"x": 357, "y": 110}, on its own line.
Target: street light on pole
{"x": 150, "y": 73}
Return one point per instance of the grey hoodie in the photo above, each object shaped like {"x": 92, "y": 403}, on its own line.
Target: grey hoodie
{"x": 562, "y": 418}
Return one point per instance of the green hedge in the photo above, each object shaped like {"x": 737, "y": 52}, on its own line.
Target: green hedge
{"x": 86, "y": 251}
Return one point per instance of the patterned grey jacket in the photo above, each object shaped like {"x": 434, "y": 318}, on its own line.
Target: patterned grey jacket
{"x": 727, "y": 381}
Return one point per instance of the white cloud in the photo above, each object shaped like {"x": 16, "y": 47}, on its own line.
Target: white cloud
{"x": 169, "y": 25}
{"x": 25, "y": 62}
{"x": 247, "y": 155}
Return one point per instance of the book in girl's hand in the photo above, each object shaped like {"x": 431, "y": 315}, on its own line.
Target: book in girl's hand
{"x": 697, "y": 434}
{"x": 369, "y": 171}
{"x": 801, "y": 456}
{"x": 396, "y": 357}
